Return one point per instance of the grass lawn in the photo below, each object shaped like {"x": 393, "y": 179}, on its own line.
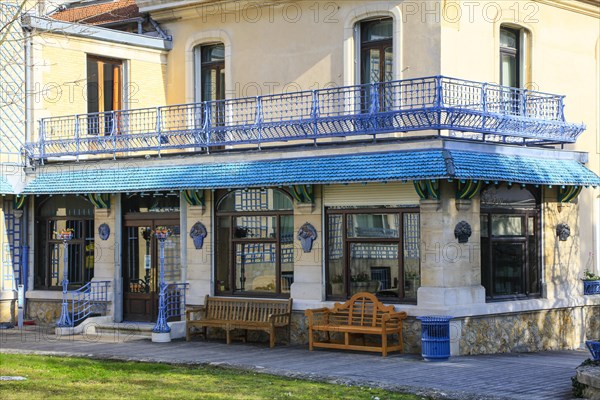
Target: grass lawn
{"x": 78, "y": 378}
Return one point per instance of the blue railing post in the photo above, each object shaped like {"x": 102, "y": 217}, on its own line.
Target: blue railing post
{"x": 158, "y": 129}
{"x": 439, "y": 100}
{"x": 207, "y": 125}
{"x": 484, "y": 104}
{"x": 258, "y": 119}
{"x": 161, "y": 322}
{"x": 42, "y": 138}
{"x": 374, "y": 99}
{"x": 523, "y": 112}
{"x": 314, "y": 114}
{"x": 561, "y": 109}
{"x": 65, "y": 319}
{"x": 77, "y": 138}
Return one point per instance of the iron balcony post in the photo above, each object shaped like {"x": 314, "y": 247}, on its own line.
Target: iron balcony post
{"x": 258, "y": 119}
{"x": 314, "y": 114}
{"x": 439, "y": 102}
{"x": 42, "y": 138}
{"x": 77, "y": 138}
{"x": 158, "y": 129}
{"x": 207, "y": 125}
{"x": 484, "y": 102}
{"x": 523, "y": 102}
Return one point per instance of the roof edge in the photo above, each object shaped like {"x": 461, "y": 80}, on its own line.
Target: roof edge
{"x": 95, "y": 33}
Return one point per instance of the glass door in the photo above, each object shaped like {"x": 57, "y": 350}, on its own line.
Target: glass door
{"x": 141, "y": 266}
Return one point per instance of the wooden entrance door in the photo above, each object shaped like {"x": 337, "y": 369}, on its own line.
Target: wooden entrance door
{"x": 141, "y": 266}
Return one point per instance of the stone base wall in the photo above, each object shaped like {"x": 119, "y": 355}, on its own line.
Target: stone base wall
{"x": 557, "y": 329}
{"x": 43, "y": 311}
{"x": 592, "y": 323}
{"x": 8, "y": 310}
{"x": 542, "y": 330}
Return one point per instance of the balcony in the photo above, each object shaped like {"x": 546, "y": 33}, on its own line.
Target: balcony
{"x": 447, "y": 106}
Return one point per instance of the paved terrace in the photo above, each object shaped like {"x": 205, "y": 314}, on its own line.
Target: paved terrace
{"x": 528, "y": 376}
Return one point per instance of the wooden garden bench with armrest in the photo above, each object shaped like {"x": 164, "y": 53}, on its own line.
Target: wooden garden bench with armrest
{"x": 239, "y": 313}
{"x": 362, "y": 314}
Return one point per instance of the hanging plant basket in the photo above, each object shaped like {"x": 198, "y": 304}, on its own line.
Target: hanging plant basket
{"x": 161, "y": 233}
{"x": 65, "y": 234}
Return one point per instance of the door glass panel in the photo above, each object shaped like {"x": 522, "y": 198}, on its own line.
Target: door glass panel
{"x": 173, "y": 255}
{"x": 373, "y": 266}
{"x": 287, "y": 252}
{"x": 509, "y": 70}
{"x": 507, "y": 225}
{"x": 223, "y": 254}
{"x": 372, "y": 66}
{"x": 139, "y": 263}
{"x": 411, "y": 255}
{"x": 389, "y": 64}
{"x": 335, "y": 245}
{"x": 509, "y": 259}
{"x": 255, "y": 227}
{"x": 373, "y": 225}
{"x": 255, "y": 267}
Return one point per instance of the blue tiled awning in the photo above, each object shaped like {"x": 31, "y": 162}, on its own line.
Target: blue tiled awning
{"x": 367, "y": 167}
{"x": 520, "y": 169}
{"x": 5, "y": 187}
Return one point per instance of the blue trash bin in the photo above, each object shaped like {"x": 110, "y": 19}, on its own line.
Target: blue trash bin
{"x": 435, "y": 337}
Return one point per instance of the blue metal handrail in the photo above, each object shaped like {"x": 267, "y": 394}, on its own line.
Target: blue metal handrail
{"x": 175, "y": 299}
{"x": 489, "y": 111}
{"x": 90, "y": 299}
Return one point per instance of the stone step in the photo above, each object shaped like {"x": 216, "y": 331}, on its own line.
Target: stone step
{"x": 125, "y": 329}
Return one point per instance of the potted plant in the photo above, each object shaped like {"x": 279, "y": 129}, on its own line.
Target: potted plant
{"x": 337, "y": 284}
{"x": 591, "y": 283}
{"x": 64, "y": 234}
{"x": 162, "y": 232}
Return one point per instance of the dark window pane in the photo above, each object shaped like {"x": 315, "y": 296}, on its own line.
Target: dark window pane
{"x": 509, "y": 261}
{"x": 377, "y": 30}
{"x": 213, "y": 53}
{"x": 255, "y": 227}
{"x": 509, "y": 38}
{"x": 255, "y": 267}
{"x": 372, "y": 267}
{"x": 507, "y": 225}
{"x": 411, "y": 253}
{"x": 373, "y": 225}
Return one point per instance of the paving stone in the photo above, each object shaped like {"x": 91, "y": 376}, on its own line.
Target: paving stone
{"x": 524, "y": 376}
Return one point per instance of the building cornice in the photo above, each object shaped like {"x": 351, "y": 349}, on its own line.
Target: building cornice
{"x": 591, "y": 8}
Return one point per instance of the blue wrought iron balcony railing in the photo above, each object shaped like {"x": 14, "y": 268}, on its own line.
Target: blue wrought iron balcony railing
{"x": 453, "y": 107}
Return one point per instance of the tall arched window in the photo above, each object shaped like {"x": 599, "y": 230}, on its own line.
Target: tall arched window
{"x": 254, "y": 243}
{"x": 209, "y": 81}
{"x": 376, "y": 61}
{"x": 510, "y": 243}
{"x": 52, "y": 215}
{"x": 377, "y": 50}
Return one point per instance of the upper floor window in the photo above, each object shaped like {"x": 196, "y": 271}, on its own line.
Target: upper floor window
{"x": 510, "y": 57}
{"x": 210, "y": 72}
{"x": 104, "y": 93}
{"x": 376, "y": 50}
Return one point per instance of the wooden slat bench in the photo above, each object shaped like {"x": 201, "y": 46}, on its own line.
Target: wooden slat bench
{"x": 239, "y": 313}
{"x": 362, "y": 314}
